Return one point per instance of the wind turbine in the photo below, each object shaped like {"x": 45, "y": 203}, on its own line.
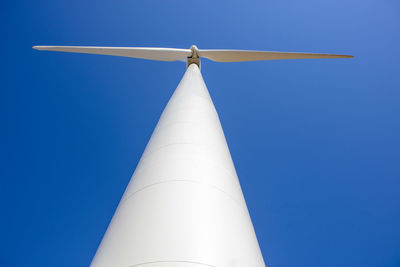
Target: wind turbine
{"x": 183, "y": 206}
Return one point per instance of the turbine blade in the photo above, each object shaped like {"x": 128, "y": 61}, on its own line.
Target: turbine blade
{"x": 249, "y": 55}
{"x": 162, "y": 54}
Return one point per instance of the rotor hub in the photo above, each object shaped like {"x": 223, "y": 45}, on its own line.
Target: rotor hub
{"x": 194, "y": 57}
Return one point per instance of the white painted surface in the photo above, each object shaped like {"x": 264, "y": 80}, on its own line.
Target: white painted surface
{"x": 175, "y": 54}
{"x": 152, "y": 53}
{"x": 183, "y": 206}
{"x": 228, "y": 55}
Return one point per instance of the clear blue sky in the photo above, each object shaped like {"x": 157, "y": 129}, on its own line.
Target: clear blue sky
{"x": 316, "y": 143}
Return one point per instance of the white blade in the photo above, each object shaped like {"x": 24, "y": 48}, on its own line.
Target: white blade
{"x": 163, "y": 54}
{"x": 248, "y": 55}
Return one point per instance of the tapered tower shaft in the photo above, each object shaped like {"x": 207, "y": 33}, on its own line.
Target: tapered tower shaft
{"x": 183, "y": 206}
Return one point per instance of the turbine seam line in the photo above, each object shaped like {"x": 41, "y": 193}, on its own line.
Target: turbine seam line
{"x": 146, "y": 155}
{"x": 187, "y": 181}
{"x": 171, "y": 124}
{"x": 195, "y": 262}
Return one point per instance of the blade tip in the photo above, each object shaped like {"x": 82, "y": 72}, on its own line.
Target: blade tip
{"x": 38, "y": 47}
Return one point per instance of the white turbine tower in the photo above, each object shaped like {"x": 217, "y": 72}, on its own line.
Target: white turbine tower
{"x": 183, "y": 206}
